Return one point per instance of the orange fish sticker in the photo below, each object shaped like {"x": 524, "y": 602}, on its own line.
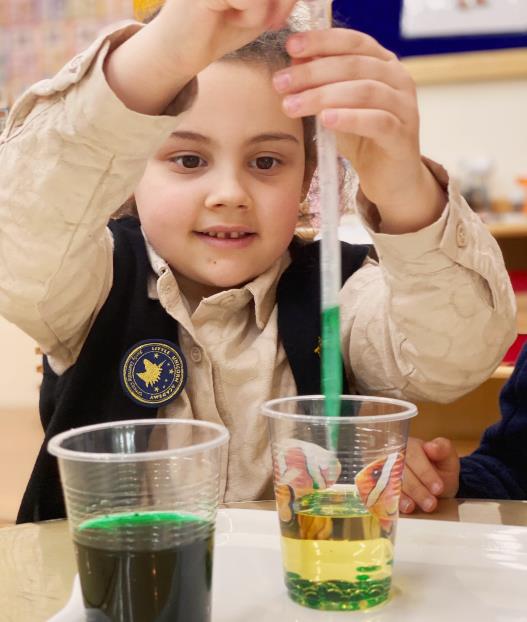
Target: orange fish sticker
{"x": 300, "y": 468}
{"x": 285, "y": 498}
{"x": 379, "y": 487}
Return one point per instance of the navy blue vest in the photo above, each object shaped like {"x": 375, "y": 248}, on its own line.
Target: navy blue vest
{"x": 90, "y": 391}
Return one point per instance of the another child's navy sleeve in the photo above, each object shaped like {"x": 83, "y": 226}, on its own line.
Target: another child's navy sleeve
{"x": 498, "y": 468}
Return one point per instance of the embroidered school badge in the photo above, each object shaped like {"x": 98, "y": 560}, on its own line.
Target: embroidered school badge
{"x": 153, "y": 373}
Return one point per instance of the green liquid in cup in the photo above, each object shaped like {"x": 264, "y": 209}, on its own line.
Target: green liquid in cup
{"x": 145, "y": 567}
{"x": 337, "y": 556}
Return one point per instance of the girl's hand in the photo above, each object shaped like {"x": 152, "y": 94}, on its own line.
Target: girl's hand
{"x": 208, "y": 29}
{"x": 249, "y": 14}
{"x": 366, "y": 96}
{"x": 431, "y": 471}
{"x": 184, "y": 38}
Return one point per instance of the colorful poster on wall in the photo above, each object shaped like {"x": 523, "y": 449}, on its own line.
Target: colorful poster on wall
{"x": 38, "y": 36}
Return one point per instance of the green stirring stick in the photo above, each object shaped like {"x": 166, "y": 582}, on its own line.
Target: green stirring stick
{"x": 330, "y": 272}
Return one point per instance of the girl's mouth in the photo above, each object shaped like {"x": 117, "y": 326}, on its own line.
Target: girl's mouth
{"x": 226, "y": 239}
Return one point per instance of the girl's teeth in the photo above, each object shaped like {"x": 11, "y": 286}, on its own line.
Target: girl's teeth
{"x": 222, "y": 235}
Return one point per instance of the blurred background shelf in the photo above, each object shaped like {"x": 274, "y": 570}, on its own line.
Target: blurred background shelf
{"x": 508, "y": 229}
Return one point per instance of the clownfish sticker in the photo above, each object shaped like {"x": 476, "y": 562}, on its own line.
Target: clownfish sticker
{"x": 302, "y": 468}
{"x": 379, "y": 487}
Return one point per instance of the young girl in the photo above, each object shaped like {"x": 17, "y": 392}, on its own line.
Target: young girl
{"x": 208, "y": 307}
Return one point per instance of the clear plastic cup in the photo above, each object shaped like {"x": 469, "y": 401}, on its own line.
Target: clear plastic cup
{"x": 141, "y": 498}
{"x": 337, "y": 485}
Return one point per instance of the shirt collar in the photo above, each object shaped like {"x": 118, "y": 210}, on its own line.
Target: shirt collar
{"x": 157, "y": 263}
{"x": 262, "y": 288}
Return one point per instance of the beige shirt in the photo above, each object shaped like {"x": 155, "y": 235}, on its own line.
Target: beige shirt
{"x": 430, "y": 321}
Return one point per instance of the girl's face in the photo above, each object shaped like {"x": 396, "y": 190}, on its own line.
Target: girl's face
{"x": 219, "y": 201}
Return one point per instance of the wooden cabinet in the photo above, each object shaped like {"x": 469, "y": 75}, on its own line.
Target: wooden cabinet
{"x": 512, "y": 238}
{"x": 464, "y": 420}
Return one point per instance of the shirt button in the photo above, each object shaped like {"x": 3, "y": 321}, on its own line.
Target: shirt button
{"x": 461, "y": 236}
{"x": 195, "y": 354}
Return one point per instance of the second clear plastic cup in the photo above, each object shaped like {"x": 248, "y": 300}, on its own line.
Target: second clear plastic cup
{"x": 141, "y": 498}
{"x": 337, "y": 486}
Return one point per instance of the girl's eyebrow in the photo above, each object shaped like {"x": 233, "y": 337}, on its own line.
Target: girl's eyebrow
{"x": 259, "y": 138}
{"x": 274, "y": 136}
{"x": 191, "y": 136}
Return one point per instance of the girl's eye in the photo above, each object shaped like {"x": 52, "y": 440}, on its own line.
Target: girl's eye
{"x": 188, "y": 161}
{"x": 265, "y": 163}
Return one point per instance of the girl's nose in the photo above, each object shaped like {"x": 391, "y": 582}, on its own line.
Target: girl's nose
{"x": 227, "y": 190}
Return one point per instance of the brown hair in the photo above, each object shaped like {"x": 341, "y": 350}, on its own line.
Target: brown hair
{"x": 268, "y": 51}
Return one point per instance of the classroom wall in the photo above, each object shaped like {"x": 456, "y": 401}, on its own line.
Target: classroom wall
{"x": 19, "y": 380}
{"x": 477, "y": 119}
{"x": 38, "y": 36}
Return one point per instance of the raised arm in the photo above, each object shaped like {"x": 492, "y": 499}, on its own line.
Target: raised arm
{"x": 71, "y": 154}
{"x": 435, "y": 317}
{"x": 75, "y": 147}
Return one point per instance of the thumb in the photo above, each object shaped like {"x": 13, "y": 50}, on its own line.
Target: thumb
{"x": 442, "y": 452}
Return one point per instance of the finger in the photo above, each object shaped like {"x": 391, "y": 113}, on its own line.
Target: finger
{"x": 236, "y": 5}
{"x": 280, "y": 11}
{"x": 441, "y": 450}
{"x": 447, "y": 464}
{"x": 253, "y": 13}
{"x": 356, "y": 94}
{"x": 406, "y": 504}
{"x": 418, "y": 461}
{"x": 382, "y": 127}
{"x": 307, "y": 75}
{"x": 335, "y": 42}
{"x": 417, "y": 491}
{"x": 239, "y": 5}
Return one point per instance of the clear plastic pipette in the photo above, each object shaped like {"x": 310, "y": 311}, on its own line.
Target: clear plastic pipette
{"x": 330, "y": 262}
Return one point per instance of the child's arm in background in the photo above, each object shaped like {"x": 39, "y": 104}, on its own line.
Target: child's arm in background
{"x": 498, "y": 467}
{"x": 431, "y": 471}
{"x": 496, "y": 470}
{"x": 435, "y": 318}
{"x": 73, "y": 152}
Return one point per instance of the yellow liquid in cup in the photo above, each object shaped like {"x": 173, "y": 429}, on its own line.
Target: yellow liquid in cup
{"x": 337, "y": 556}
